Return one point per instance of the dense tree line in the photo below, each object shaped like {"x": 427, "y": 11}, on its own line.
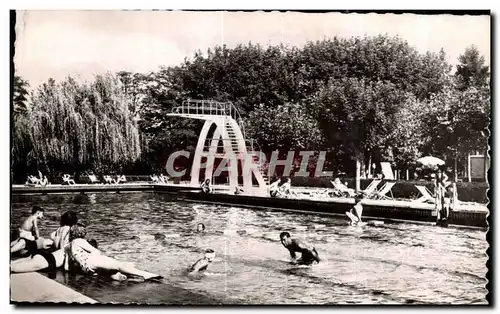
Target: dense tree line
{"x": 357, "y": 98}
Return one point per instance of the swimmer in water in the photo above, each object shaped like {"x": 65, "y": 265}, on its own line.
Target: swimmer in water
{"x": 356, "y": 212}
{"x": 309, "y": 254}
{"x": 202, "y": 263}
{"x": 200, "y": 228}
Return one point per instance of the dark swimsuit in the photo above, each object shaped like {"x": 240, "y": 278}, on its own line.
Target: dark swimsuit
{"x": 49, "y": 258}
{"x": 31, "y": 246}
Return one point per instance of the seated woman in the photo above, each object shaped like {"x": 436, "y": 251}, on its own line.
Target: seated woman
{"x": 342, "y": 189}
{"x": 44, "y": 181}
{"x": 91, "y": 260}
{"x": 61, "y": 235}
{"x": 154, "y": 178}
{"x": 273, "y": 188}
{"x": 205, "y": 186}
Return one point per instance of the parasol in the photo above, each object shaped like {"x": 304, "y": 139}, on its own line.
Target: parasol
{"x": 430, "y": 161}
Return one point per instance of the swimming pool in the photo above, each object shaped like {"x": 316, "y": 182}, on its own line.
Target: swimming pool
{"x": 392, "y": 264}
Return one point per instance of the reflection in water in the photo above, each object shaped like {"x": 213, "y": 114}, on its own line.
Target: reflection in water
{"x": 393, "y": 263}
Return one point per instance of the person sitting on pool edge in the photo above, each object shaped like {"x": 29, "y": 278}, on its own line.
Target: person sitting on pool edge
{"x": 205, "y": 186}
{"x": 29, "y": 235}
{"x": 309, "y": 253}
{"x": 202, "y": 263}
{"x": 273, "y": 188}
{"x": 356, "y": 212}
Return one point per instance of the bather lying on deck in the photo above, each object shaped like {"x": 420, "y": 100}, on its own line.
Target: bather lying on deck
{"x": 82, "y": 254}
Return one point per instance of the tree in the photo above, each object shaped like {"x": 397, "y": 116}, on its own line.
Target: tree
{"x": 471, "y": 71}
{"x": 20, "y": 96}
{"x": 72, "y": 126}
{"x": 358, "y": 115}
{"x": 285, "y": 127}
{"x": 457, "y": 121}
{"x": 408, "y": 136}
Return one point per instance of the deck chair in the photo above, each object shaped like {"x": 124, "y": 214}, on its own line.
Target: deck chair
{"x": 108, "y": 179}
{"x": 372, "y": 187}
{"x": 427, "y": 196}
{"x": 387, "y": 170}
{"x": 67, "y": 180}
{"x": 342, "y": 190}
{"x": 120, "y": 179}
{"x": 32, "y": 180}
{"x": 155, "y": 179}
{"x": 382, "y": 193}
{"x": 93, "y": 179}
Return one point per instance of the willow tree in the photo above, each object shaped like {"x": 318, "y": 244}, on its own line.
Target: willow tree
{"x": 74, "y": 127}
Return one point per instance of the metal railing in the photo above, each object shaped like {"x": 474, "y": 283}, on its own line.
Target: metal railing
{"x": 211, "y": 108}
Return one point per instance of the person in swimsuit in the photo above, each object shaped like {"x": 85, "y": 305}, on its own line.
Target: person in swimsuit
{"x": 273, "y": 188}
{"x": 356, "y": 212}
{"x": 41, "y": 260}
{"x": 202, "y": 263}
{"x": 205, "y": 186}
{"x": 309, "y": 254}
{"x": 90, "y": 259}
{"x": 61, "y": 235}
{"x": 200, "y": 228}
{"x": 28, "y": 227}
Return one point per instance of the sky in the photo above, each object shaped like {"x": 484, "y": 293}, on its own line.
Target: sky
{"x": 55, "y": 44}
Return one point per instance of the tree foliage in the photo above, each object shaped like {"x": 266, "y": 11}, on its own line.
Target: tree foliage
{"x": 471, "y": 70}
{"x": 284, "y": 127}
{"x": 20, "y": 96}
{"x": 349, "y": 96}
{"x": 81, "y": 126}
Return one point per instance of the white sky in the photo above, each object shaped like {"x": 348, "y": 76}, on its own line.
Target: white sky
{"x": 81, "y": 43}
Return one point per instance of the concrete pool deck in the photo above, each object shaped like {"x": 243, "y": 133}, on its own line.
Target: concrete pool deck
{"x": 34, "y": 287}
{"x": 465, "y": 214}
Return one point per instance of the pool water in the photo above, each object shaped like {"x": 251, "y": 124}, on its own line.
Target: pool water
{"x": 392, "y": 264}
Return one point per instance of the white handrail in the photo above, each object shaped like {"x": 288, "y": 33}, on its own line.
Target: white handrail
{"x": 199, "y": 107}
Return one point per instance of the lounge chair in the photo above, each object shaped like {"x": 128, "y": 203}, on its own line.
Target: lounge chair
{"x": 341, "y": 190}
{"x": 154, "y": 178}
{"x": 108, "y": 179}
{"x": 120, "y": 179}
{"x": 163, "y": 179}
{"x": 382, "y": 193}
{"x": 372, "y": 187}
{"x": 93, "y": 179}
{"x": 32, "y": 180}
{"x": 427, "y": 196}
{"x": 67, "y": 180}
